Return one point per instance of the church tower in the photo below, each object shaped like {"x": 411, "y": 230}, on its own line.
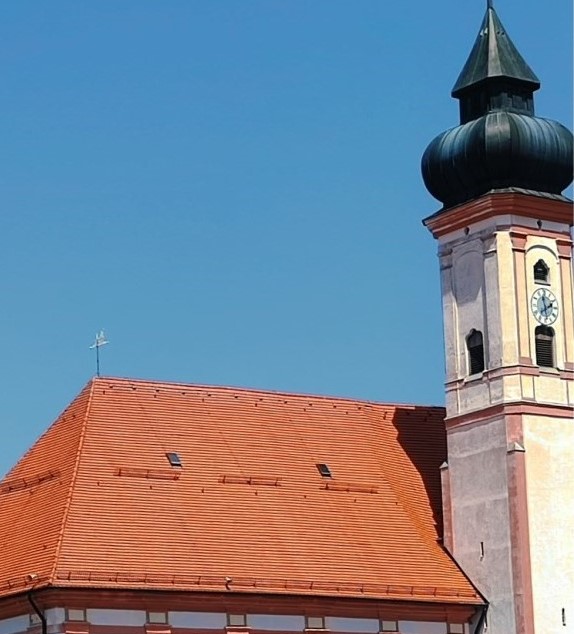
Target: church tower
{"x": 505, "y": 254}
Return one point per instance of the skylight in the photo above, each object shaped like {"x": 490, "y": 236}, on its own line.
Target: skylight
{"x": 174, "y": 459}
{"x": 324, "y": 470}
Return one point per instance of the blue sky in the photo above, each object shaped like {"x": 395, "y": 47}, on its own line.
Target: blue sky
{"x": 231, "y": 189}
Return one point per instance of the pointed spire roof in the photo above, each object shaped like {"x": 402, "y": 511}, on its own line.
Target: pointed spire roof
{"x": 494, "y": 56}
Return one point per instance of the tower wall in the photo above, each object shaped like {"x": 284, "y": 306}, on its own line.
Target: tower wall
{"x": 479, "y": 490}
{"x": 549, "y": 445}
{"x": 510, "y": 433}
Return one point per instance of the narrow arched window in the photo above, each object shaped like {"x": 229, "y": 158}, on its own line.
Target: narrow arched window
{"x": 544, "y": 339}
{"x": 541, "y": 271}
{"x": 475, "y": 347}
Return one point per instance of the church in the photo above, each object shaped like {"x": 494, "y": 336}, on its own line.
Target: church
{"x": 162, "y": 508}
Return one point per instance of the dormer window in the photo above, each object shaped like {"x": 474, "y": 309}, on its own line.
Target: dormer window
{"x": 541, "y": 272}
{"x": 475, "y": 348}
{"x": 544, "y": 341}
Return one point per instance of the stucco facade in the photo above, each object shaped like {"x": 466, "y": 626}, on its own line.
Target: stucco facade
{"x": 61, "y": 620}
{"x": 508, "y": 492}
{"x": 549, "y": 448}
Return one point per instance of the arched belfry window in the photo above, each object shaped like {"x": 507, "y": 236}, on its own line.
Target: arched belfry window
{"x": 541, "y": 271}
{"x": 475, "y": 347}
{"x": 544, "y": 339}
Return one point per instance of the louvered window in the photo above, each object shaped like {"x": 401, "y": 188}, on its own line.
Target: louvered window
{"x": 475, "y": 347}
{"x": 541, "y": 271}
{"x": 544, "y": 337}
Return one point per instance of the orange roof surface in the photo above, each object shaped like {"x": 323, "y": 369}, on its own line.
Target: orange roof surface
{"x": 96, "y": 503}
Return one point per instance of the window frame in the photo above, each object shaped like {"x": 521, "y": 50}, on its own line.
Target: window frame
{"x": 545, "y": 344}
{"x": 475, "y": 353}
{"x": 236, "y": 620}
{"x": 320, "y": 623}
{"x": 540, "y": 265}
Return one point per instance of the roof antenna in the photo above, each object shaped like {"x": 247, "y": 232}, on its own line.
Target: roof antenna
{"x": 98, "y": 343}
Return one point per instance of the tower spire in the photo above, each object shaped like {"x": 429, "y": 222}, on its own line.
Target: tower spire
{"x": 494, "y": 59}
{"x": 500, "y": 143}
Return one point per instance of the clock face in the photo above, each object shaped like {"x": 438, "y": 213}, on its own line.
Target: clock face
{"x": 544, "y": 306}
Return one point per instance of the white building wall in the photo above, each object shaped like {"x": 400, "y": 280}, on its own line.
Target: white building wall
{"x": 218, "y": 621}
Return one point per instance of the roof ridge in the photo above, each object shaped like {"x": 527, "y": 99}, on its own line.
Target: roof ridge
{"x": 269, "y": 392}
{"x": 79, "y": 448}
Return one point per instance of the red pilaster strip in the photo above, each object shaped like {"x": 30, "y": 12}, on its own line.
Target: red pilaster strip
{"x": 519, "y": 536}
{"x": 448, "y": 540}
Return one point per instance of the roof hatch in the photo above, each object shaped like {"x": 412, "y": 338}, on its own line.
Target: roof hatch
{"x": 174, "y": 459}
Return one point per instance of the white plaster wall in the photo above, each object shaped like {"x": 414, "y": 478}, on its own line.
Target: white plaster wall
{"x": 462, "y": 288}
{"x": 284, "y": 623}
{"x": 474, "y": 394}
{"x": 366, "y": 626}
{"x": 549, "y": 445}
{"x": 479, "y": 501}
{"x": 15, "y": 624}
{"x": 506, "y": 296}
{"x": 116, "y": 617}
{"x": 55, "y": 616}
{"x": 491, "y": 303}
{"x": 550, "y": 389}
{"x": 420, "y": 627}
{"x": 449, "y": 316}
{"x": 54, "y": 619}
{"x": 203, "y": 620}
{"x": 487, "y": 285}
{"x": 468, "y": 288}
{"x": 511, "y": 388}
{"x": 505, "y": 220}
{"x": 218, "y": 621}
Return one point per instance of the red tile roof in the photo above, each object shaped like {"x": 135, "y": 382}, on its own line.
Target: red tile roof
{"x": 95, "y": 502}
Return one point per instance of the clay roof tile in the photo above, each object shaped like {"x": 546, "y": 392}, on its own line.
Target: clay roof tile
{"x": 97, "y": 503}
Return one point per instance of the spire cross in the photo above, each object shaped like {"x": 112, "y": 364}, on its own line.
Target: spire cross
{"x": 98, "y": 343}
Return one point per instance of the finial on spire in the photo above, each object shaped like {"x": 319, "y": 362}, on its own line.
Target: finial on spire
{"x": 490, "y": 4}
{"x": 98, "y": 343}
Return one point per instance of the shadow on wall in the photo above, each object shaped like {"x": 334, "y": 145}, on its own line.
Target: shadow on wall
{"x": 422, "y": 436}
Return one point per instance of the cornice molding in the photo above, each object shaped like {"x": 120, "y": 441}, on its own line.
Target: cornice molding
{"x": 497, "y": 204}
{"x": 455, "y": 609}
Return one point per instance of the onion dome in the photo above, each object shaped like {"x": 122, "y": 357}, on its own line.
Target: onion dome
{"x": 499, "y": 143}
